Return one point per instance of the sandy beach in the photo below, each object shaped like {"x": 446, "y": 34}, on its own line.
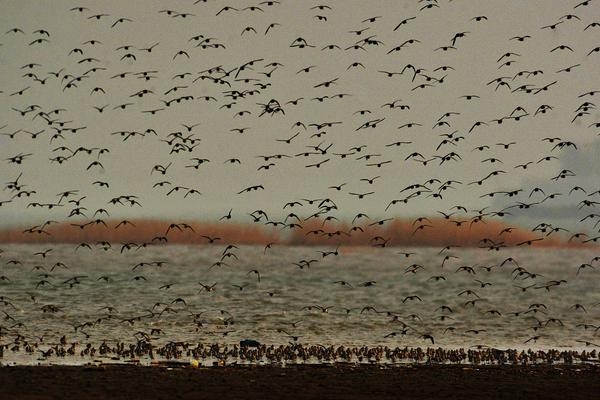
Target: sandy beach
{"x": 304, "y": 382}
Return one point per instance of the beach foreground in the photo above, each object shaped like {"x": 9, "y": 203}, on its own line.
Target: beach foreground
{"x": 306, "y": 382}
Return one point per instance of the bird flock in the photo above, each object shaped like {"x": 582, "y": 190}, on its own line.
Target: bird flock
{"x": 360, "y": 130}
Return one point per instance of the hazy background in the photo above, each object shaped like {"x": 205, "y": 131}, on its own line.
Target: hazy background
{"x": 127, "y": 168}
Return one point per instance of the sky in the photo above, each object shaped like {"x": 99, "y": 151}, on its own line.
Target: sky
{"x": 475, "y": 60}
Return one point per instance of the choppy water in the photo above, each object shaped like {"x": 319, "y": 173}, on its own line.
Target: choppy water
{"x": 254, "y": 313}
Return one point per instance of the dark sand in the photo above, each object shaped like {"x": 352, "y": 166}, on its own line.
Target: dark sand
{"x": 304, "y": 382}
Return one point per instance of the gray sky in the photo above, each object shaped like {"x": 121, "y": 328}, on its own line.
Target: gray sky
{"x": 127, "y": 168}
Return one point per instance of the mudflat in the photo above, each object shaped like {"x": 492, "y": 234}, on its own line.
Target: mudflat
{"x": 340, "y": 381}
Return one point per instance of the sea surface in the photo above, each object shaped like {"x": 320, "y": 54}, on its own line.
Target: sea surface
{"x": 298, "y": 305}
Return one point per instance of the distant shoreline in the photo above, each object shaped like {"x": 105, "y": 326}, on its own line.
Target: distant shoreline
{"x": 399, "y": 232}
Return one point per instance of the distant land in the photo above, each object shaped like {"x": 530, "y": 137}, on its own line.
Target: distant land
{"x": 396, "y": 233}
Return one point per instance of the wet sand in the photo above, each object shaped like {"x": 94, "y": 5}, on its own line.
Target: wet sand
{"x": 303, "y": 382}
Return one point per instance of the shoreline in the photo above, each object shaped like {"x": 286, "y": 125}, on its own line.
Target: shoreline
{"x": 301, "y": 381}
{"x": 398, "y": 233}
{"x": 181, "y": 354}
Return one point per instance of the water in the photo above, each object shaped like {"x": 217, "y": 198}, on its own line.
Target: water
{"x": 281, "y": 305}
